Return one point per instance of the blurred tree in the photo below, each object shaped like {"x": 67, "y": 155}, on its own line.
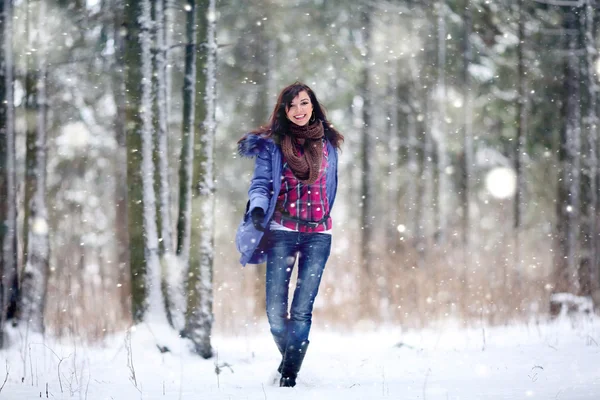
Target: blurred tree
{"x": 589, "y": 273}
{"x": 199, "y": 315}
{"x": 8, "y": 178}
{"x": 133, "y": 77}
{"x": 119, "y": 33}
{"x": 468, "y": 159}
{"x": 520, "y": 151}
{"x": 439, "y": 128}
{"x": 36, "y": 268}
{"x": 367, "y": 162}
{"x": 568, "y": 196}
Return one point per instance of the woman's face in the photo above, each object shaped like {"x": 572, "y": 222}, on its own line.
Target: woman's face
{"x": 300, "y": 111}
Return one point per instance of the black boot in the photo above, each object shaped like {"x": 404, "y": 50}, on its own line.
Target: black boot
{"x": 287, "y": 382}
{"x": 292, "y": 361}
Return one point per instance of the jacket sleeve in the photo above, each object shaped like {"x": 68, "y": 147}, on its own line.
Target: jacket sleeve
{"x": 261, "y": 187}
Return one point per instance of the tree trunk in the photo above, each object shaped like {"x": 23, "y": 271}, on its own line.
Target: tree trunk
{"x": 592, "y": 285}
{"x": 8, "y": 181}
{"x": 154, "y": 303}
{"x": 430, "y": 207}
{"x": 35, "y": 275}
{"x": 416, "y": 161}
{"x": 30, "y": 121}
{"x": 163, "y": 132}
{"x": 133, "y": 77}
{"x": 173, "y": 291}
{"x": 121, "y": 206}
{"x": 567, "y": 258}
{"x": 468, "y": 157}
{"x": 367, "y": 210}
{"x": 439, "y": 128}
{"x": 186, "y": 167}
{"x": 393, "y": 186}
{"x": 199, "y": 319}
{"x": 520, "y": 147}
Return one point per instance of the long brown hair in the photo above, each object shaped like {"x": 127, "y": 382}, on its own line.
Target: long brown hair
{"x": 278, "y": 124}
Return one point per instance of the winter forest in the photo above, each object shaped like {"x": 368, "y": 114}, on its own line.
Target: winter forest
{"x": 468, "y": 179}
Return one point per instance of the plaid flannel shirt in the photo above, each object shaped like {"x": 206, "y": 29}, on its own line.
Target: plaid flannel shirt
{"x": 304, "y": 202}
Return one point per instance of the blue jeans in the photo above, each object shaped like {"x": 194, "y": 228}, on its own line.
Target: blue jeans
{"x": 290, "y": 331}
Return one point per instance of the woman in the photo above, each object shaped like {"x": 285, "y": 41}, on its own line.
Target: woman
{"x": 288, "y": 215}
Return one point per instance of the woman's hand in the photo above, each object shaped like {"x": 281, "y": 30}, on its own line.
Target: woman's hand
{"x": 258, "y": 215}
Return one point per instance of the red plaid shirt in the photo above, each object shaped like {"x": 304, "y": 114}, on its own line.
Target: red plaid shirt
{"x": 304, "y": 202}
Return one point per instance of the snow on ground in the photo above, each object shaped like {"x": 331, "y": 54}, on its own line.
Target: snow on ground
{"x": 557, "y": 360}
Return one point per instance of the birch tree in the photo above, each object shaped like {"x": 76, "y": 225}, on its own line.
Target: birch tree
{"x": 162, "y": 131}
{"x": 35, "y": 274}
{"x": 8, "y": 179}
{"x": 147, "y": 300}
{"x": 154, "y": 299}
{"x": 184, "y": 220}
{"x": 170, "y": 265}
{"x": 199, "y": 315}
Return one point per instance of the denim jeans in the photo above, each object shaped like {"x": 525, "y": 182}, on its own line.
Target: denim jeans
{"x": 291, "y": 330}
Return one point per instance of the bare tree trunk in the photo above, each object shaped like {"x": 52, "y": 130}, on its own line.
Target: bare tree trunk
{"x": 35, "y": 276}
{"x": 200, "y": 312}
{"x": 520, "y": 148}
{"x": 430, "y": 208}
{"x": 135, "y": 206}
{"x": 154, "y": 299}
{"x": 416, "y": 143}
{"x": 439, "y": 128}
{"x": 121, "y": 217}
{"x": 591, "y": 229}
{"x": 468, "y": 157}
{"x": 567, "y": 257}
{"x": 186, "y": 167}
{"x": 393, "y": 185}
{"x": 173, "y": 292}
{"x": 8, "y": 180}
{"x": 367, "y": 210}
{"x": 30, "y": 120}
{"x": 163, "y": 131}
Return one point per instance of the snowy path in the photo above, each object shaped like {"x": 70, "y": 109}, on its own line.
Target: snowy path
{"x": 550, "y": 361}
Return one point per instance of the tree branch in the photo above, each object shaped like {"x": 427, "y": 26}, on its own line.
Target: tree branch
{"x": 567, "y": 3}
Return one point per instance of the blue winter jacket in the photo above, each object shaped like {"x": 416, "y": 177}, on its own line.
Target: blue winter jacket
{"x": 263, "y": 192}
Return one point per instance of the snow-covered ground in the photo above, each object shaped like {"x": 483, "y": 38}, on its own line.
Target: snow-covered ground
{"x": 557, "y": 360}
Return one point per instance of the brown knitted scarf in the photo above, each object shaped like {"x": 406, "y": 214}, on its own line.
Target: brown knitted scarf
{"x": 305, "y": 167}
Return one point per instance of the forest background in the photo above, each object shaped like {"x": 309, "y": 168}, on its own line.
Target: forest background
{"x": 468, "y": 180}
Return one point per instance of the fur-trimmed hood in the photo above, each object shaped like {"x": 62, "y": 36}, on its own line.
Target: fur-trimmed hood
{"x": 252, "y": 145}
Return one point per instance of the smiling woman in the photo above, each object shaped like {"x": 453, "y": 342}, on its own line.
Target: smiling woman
{"x": 287, "y": 218}
{"x": 300, "y": 111}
